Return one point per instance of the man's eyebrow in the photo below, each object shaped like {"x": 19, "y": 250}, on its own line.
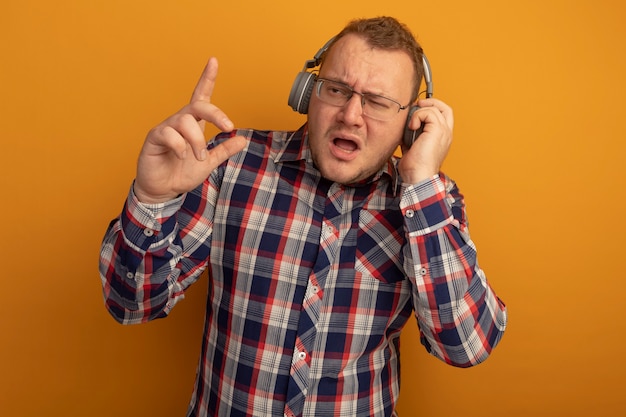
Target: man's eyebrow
{"x": 369, "y": 93}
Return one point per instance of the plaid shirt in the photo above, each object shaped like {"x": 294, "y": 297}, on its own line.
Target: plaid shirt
{"x": 311, "y": 281}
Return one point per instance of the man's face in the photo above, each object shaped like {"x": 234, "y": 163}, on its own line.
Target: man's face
{"x": 347, "y": 146}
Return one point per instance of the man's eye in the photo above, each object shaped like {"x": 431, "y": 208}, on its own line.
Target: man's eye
{"x": 378, "y": 102}
{"x": 337, "y": 91}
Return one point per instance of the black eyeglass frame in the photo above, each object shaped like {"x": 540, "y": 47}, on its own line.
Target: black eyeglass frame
{"x": 320, "y": 81}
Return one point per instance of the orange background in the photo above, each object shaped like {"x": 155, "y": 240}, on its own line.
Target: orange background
{"x": 538, "y": 91}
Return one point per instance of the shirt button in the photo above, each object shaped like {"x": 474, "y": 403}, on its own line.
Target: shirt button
{"x": 410, "y": 213}
{"x": 148, "y": 232}
{"x": 130, "y": 275}
{"x": 302, "y": 356}
{"x": 315, "y": 289}
{"x": 423, "y": 271}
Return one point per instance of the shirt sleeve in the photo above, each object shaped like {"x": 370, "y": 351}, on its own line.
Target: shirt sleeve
{"x": 147, "y": 255}
{"x": 460, "y": 317}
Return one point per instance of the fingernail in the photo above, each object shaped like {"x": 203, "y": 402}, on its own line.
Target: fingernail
{"x": 203, "y": 154}
{"x": 228, "y": 124}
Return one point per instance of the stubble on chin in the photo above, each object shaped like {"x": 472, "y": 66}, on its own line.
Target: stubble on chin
{"x": 334, "y": 173}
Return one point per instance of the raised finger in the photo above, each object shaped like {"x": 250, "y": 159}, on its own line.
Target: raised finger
{"x": 206, "y": 83}
{"x": 226, "y": 149}
{"x": 203, "y": 110}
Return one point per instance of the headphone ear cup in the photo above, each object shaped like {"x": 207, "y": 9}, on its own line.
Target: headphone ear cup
{"x": 411, "y": 135}
{"x": 301, "y": 91}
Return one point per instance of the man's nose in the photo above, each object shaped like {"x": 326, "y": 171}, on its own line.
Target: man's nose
{"x": 353, "y": 110}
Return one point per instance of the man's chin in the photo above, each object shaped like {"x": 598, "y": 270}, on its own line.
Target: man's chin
{"x": 343, "y": 175}
{"x": 341, "y": 172}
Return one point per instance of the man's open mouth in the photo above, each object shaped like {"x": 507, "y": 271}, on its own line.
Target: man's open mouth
{"x": 345, "y": 145}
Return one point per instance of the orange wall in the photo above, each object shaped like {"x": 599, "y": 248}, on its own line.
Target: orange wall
{"x": 538, "y": 91}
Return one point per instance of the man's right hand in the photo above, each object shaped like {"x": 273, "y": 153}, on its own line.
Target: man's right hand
{"x": 174, "y": 158}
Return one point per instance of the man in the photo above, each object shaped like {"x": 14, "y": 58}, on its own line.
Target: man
{"x": 320, "y": 244}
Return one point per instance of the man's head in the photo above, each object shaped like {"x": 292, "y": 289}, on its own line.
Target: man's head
{"x": 386, "y": 33}
{"x": 371, "y": 63}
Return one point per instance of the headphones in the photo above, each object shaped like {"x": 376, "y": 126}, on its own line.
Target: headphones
{"x": 302, "y": 88}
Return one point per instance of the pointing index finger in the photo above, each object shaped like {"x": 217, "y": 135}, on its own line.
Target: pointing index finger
{"x": 204, "y": 88}
{"x": 200, "y": 105}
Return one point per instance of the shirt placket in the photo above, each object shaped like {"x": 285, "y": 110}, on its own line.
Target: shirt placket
{"x": 311, "y": 307}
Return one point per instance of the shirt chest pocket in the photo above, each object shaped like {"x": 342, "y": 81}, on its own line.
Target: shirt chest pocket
{"x": 379, "y": 247}
{"x": 367, "y": 267}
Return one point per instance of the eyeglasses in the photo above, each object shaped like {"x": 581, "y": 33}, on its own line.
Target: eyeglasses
{"x": 374, "y": 106}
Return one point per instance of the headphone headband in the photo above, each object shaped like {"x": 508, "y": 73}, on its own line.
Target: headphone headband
{"x": 315, "y": 62}
{"x": 428, "y": 77}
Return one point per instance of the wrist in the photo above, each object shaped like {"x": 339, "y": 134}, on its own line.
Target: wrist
{"x": 146, "y": 198}
{"x": 417, "y": 176}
